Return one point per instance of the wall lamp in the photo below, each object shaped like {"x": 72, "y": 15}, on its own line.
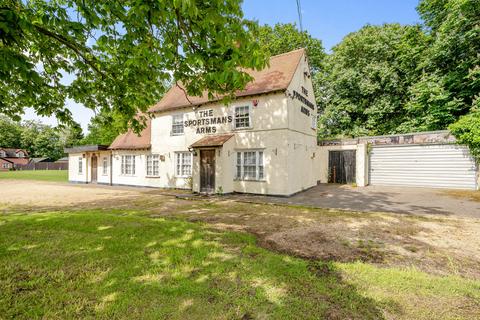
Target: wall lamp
{"x": 193, "y": 151}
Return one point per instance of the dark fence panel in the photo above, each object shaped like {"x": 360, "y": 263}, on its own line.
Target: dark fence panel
{"x": 42, "y": 166}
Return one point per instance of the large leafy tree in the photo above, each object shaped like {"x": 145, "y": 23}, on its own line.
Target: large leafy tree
{"x": 366, "y": 81}
{"x": 9, "y": 133}
{"x": 118, "y": 55}
{"x": 285, "y": 37}
{"x": 103, "y": 129}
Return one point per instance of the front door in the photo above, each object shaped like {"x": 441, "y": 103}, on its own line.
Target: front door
{"x": 207, "y": 171}
{"x": 94, "y": 169}
{"x": 341, "y": 166}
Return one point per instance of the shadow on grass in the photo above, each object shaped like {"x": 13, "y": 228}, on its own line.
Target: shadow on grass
{"x": 104, "y": 265}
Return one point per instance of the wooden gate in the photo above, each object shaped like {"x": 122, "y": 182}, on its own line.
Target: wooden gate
{"x": 341, "y": 166}
{"x": 207, "y": 171}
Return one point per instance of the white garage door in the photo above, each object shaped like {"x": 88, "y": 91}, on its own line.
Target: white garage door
{"x": 438, "y": 166}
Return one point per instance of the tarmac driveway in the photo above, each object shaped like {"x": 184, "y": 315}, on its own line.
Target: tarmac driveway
{"x": 408, "y": 200}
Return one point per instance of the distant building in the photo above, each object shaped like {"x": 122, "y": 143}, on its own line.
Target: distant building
{"x": 62, "y": 160}
{"x": 11, "y": 158}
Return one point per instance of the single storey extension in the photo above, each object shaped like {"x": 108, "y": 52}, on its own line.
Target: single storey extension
{"x": 265, "y": 142}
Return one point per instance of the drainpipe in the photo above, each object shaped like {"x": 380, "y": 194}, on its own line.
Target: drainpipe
{"x": 111, "y": 168}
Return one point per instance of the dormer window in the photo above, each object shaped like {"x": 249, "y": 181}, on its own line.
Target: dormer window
{"x": 2, "y": 153}
{"x": 20, "y": 154}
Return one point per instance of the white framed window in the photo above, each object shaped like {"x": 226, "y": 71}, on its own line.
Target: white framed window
{"x": 183, "y": 164}
{"x": 153, "y": 162}
{"x": 80, "y": 165}
{"x": 20, "y": 154}
{"x": 242, "y": 117}
{"x": 2, "y": 153}
{"x": 249, "y": 165}
{"x": 128, "y": 165}
{"x": 5, "y": 165}
{"x": 314, "y": 122}
{"x": 177, "y": 124}
{"x": 105, "y": 166}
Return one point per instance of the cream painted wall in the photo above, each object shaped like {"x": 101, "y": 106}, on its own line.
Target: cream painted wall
{"x": 361, "y": 162}
{"x": 278, "y": 128}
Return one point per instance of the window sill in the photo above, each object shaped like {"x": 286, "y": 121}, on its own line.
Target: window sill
{"x": 127, "y": 175}
{"x": 152, "y": 177}
{"x": 182, "y": 177}
{"x": 250, "y": 180}
{"x": 243, "y": 128}
{"x": 176, "y": 134}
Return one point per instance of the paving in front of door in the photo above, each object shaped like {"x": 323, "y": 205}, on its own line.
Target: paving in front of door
{"x": 405, "y": 200}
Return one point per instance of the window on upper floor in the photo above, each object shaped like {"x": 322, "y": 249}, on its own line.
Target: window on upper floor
{"x": 183, "y": 164}
{"x": 249, "y": 165}
{"x": 20, "y": 154}
{"x": 153, "y": 161}
{"x": 177, "y": 124}
{"x": 2, "y": 153}
{"x": 128, "y": 165}
{"x": 242, "y": 117}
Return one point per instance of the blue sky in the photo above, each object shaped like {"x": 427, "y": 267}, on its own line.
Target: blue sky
{"x": 328, "y": 20}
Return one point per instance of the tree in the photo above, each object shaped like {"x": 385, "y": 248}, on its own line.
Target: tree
{"x": 10, "y": 132}
{"x": 71, "y": 136}
{"x": 367, "y": 78}
{"x": 119, "y": 53}
{"x": 285, "y": 37}
{"x": 454, "y": 57}
{"x": 103, "y": 129}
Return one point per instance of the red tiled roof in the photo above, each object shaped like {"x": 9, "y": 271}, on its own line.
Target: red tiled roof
{"x": 131, "y": 141}
{"x": 275, "y": 77}
{"x": 212, "y": 141}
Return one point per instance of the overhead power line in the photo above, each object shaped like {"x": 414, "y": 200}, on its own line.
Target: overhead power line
{"x": 299, "y": 9}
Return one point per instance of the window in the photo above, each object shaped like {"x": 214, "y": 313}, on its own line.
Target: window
{"x": 80, "y": 165}
{"x": 20, "y": 154}
{"x": 2, "y": 153}
{"x": 183, "y": 164}
{"x": 105, "y": 166}
{"x": 152, "y": 165}
{"x": 5, "y": 165}
{"x": 177, "y": 124}
{"x": 128, "y": 165}
{"x": 242, "y": 117}
{"x": 314, "y": 122}
{"x": 249, "y": 165}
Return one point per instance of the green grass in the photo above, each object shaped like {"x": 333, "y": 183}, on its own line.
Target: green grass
{"x": 43, "y": 175}
{"x": 113, "y": 264}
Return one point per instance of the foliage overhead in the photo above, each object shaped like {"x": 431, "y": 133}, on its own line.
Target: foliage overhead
{"x": 118, "y": 55}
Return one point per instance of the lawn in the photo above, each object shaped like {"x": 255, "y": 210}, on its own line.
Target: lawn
{"x": 43, "y": 175}
{"x": 126, "y": 264}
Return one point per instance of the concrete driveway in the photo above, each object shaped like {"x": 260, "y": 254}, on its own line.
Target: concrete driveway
{"x": 407, "y": 200}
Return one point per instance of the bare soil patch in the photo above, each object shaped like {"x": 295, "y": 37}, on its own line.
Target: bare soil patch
{"x": 438, "y": 245}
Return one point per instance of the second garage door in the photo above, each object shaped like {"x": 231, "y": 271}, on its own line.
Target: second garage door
{"x": 437, "y": 166}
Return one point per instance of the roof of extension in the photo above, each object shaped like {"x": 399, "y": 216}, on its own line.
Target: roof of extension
{"x": 131, "y": 141}
{"x": 212, "y": 141}
{"x": 275, "y": 77}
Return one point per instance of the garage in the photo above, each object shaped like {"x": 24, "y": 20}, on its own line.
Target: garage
{"x": 431, "y": 165}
